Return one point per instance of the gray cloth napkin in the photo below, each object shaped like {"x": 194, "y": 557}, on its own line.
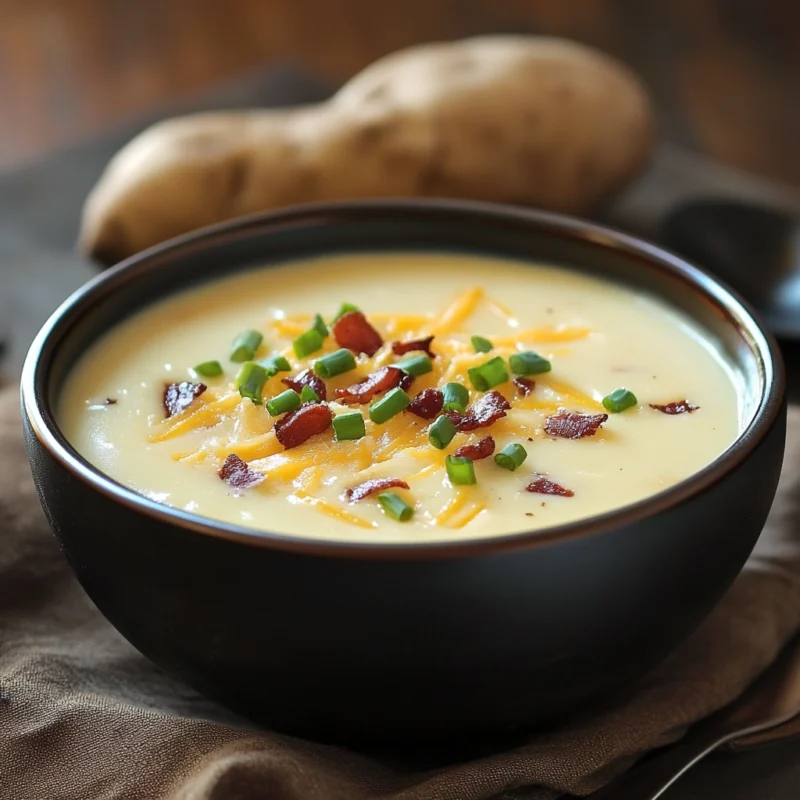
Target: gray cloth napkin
{"x": 83, "y": 716}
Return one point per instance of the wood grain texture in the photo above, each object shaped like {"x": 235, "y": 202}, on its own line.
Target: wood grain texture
{"x": 725, "y": 73}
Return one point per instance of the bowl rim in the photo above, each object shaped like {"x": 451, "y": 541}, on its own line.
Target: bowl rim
{"x": 41, "y": 417}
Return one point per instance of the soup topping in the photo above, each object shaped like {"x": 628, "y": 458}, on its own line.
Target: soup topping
{"x": 431, "y": 401}
{"x": 677, "y": 407}
{"x": 179, "y": 396}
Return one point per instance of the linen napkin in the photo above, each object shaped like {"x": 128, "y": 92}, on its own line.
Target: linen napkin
{"x": 83, "y": 716}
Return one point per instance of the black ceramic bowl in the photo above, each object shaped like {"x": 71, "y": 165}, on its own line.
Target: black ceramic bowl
{"x": 353, "y": 642}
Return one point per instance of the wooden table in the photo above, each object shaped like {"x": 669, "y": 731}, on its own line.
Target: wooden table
{"x": 725, "y": 73}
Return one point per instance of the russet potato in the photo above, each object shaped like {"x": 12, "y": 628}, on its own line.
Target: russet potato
{"x": 518, "y": 119}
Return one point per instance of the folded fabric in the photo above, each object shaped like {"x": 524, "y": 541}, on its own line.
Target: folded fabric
{"x": 83, "y": 715}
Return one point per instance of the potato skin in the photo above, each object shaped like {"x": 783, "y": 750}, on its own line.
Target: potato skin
{"x": 518, "y": 119}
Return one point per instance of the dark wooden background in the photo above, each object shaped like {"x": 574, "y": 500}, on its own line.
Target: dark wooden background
{"x": 725, "y": 73}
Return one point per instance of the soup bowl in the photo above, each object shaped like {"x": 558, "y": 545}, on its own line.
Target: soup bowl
{"x": 369, "y": 642}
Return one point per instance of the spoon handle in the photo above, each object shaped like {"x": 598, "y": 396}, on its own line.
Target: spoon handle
{"x": 654, "y": 776}
{"x": 770, "y": 702}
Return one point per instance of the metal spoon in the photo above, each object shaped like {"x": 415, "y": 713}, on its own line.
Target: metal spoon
{"x": 756, "y": 249}
{"x": 772, "y": 701}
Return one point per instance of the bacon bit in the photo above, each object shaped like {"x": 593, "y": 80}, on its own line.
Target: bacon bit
{"x": 678, "y": 407}
{"x": 376, "y": 382}
{"x": 569, "y": 425}
{"x": 482, "y": 449}
{"x": 370, "y": 487}
{"x": 110, "y": 401}
{"x": 491, "y": 407}
{"x": 406, "y": 381}
{"x": 238, "y": 474}
{"x": 353, "y": 331}
{"x": 524, "y": 385}
{"x": 179, "y": 396}
{"x": 427, "y": 404}
{"x": 307, "y": 378}
{"x": 541, "y": 485}
{"x": 300, "y": 425}
{"x": 401, "y": 348}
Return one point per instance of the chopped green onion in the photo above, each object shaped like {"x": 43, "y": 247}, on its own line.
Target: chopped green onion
{"x": 416, "y": 365}
{"x": 456, "y": 397}
{"x": 461, "y": 471}
{"x": 389, "y": 405}
{"x": 511, "y": 456}
{"x": 528, "y": 363}
{"x": 209, "y": 369}
{"x": 488, "y": 375}
{"x": 619, "y": 400}
{"x": 441, "y": 432}
{"x": 250, "y": 381}
{"x": 481, "y": 345}
{"x": 349, "y": 426}
{"x": 395, "y": 507}
{"x": 307, "y": 343}
{"x": 283, "y": 402}
{"x": 308, "y": 395}
{"x": 335, "y": 363}
{"x": 245, "y": 345}
{"x": 345, "y": 308}
{"x": 275, "y": 364}
{"x": 319, "y": 326}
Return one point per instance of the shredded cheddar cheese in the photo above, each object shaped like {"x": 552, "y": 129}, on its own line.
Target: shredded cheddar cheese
{"x": 288, "y": 327}
{"x": 543, "y": 336}
{"x": 452, "y": 506}
{"x": 570, "y": 395}
{"x": 332, "y": 511}
{"x": 400, "y": 325}
{"x": 423, "y": 473}
{"x": 462, "y": 308}
{"x": 501, "y": 310}
{"x": 210, "y": 413}
{"x": 465, "y": 519}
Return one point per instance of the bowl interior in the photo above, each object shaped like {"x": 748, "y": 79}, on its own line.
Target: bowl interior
{"x": 411, "y": 226}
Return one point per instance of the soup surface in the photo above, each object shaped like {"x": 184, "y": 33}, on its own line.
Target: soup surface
{"x": 561, "y": 342}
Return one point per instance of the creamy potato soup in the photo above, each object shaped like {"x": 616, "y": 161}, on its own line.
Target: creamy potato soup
{"x": 403, "y": 397}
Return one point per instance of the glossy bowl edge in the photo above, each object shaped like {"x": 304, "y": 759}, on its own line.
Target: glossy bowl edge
{"x": 36, "y": 407}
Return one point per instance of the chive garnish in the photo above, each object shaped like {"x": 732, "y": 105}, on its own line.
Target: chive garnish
{"x": 348, "y": 426}
{"x": 456, "y": 397}
{"x": 319, "y": 326}
{"x": 209, "y": 369}
{"x": 488, "y": 375}
{"x": 283, "y": 402}
{"x": 441, "y": 432}
{"x": 307, "y": 343}
{"x": 461, "y": 471}
{"x": 511, "y": 456}
{"x": 528, "y": 363}
{"x": 335, "y": 363}
{"x": 308, "y": 395}
{"x": 619, "y": 400}
{"x": 275, "y": 364}
{"x": 481, "y": 344}
{"x": 388, "y": 406}
{"x": 416, "y": 365}
{"x": 395, "y": 507}
{"x": 250, "y": 381}
{"x": 345, "y": 308}
{"x": 245, "y": 346}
